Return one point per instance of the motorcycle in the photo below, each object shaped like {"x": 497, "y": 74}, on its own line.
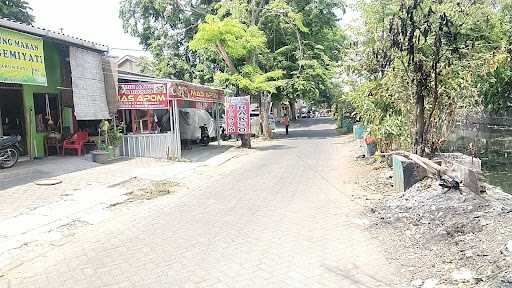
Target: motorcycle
{"x": 205, "y": 136}
{"x": 223, "y": 135}
{"x": 10, "y": 150}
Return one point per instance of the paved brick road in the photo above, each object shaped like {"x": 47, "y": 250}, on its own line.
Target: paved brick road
{"x": 280, "y": 216}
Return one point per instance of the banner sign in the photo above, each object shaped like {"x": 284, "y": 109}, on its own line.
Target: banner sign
{"x": 238, "y": 117}
{"x": 21, "y": 58}
{"x": 195, "y": 93}
{"x": 143, "y": 96}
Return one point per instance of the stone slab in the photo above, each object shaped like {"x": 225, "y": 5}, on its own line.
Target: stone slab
{"x": 406, "y": 173}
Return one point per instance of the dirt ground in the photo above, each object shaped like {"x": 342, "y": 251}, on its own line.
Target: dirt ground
{"x": 441, "y": 238}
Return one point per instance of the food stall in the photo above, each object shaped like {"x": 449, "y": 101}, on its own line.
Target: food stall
{"x": 150, "y": 112}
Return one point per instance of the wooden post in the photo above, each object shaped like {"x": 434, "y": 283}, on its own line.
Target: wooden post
{"x": 134, "y": 122}
{"x": 1, "y": 125}
{"x": 150, "y": 120}
{"x": 177, "y": 128}
{"x": 124, "y": 121}
{"x": 174, "y": 130}
{"x": 217, "y": 126}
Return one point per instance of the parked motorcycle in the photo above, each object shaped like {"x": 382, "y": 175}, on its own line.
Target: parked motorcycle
{"x": 10, "y": 150}
{"x": 223, "y": 135}
{"x": 205, "y": 136}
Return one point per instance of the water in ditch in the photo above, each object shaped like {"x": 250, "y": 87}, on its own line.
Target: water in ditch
{"x": 493, "y": 147}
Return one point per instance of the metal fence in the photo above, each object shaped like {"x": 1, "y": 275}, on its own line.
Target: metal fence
{"x": 160, "y": 146}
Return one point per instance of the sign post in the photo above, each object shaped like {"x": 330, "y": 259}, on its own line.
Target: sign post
{"x": 238, "y": 120}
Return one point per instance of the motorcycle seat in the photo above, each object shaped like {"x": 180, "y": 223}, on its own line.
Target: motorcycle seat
{"x": 8, "y": 140}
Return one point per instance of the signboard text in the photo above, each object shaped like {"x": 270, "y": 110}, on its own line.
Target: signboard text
{"x": 143, "y": 96}
{"x": 21, "y": 58}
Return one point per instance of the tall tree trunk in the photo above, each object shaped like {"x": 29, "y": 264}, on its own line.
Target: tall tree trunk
{"x": 419, "y": 133}
{"x": 292, "y": 115}
{"x": 435, "y": 69}
{"x": 245, "y": 138}
{"x": 419, "y": 145}
{"x": 226, "y": 58}
{"x": 264, "y": 114}
{"x": 256, "y": 8}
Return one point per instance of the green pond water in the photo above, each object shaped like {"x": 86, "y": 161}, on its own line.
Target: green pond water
{"x": 498, "y": 175}
{"x": 494, "y": 148}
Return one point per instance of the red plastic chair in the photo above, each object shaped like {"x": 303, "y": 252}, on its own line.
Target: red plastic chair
{"x": 76, "y": 142}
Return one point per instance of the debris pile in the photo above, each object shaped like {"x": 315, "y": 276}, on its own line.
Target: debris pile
{"x": 445, "y": 237}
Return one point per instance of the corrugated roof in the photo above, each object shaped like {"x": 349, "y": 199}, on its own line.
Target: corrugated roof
{"x": 147, "y": 78}
{"x": 49, "y": 34}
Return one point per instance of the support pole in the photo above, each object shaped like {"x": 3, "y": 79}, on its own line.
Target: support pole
{"x": 178, "y": 135}
{"x": 217, "y": 116}
{"x": 171, "y": 129}
{"x": 177, "y": 128}
{"x": 1, "y": 125}
{"x": 124, "y": 121}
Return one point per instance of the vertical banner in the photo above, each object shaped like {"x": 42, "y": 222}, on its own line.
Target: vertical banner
{"x": 238, "y": 120}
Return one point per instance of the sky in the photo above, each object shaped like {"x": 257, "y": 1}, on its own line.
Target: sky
{"x": 93, "y": 20}
{"x": 98, "y": 21}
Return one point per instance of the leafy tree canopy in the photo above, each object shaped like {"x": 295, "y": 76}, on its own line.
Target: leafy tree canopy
{"x": 424, "y": 63}
{"x": 164, "y": 28}
{"x": 275, "y": 35}
{"x": 16, "y": 10}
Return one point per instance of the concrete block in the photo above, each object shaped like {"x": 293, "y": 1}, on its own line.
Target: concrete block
{"x": 472, "y": 181}
{"x": 470, "y": 162}
{"x": 406, "y": 173}
{"x": 465, "y": 167}
{"x": 470, "y": 178}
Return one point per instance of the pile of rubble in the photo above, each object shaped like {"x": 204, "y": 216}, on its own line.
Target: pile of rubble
{"x": 444, "y": 237}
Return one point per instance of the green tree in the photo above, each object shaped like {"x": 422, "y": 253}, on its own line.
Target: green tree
{"x": 423, "y": 57}
{"x": 300, "y": 38}
{"x": 164, "y": 28}
{"x": 307, "y": 43}
{"x": 16, "y": 10}
{"x": 238, "y": 45}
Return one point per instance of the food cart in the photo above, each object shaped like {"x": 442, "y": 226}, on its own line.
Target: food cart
{"x": 150, "y": 112}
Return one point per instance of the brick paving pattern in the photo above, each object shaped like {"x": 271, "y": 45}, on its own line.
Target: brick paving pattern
{"x": 280, "y": 216}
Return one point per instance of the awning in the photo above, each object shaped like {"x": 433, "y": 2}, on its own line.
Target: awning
{"x": 88, "y": 81}
{"x": 195, "y": 92}
{"x": 111, "y": 80}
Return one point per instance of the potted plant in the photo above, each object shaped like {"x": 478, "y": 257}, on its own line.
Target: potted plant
{"x": 101, "y": 154}
{"x": 371, "y": 145}
{"x": 115, "y": 140}
{"x": 112, "y": 137}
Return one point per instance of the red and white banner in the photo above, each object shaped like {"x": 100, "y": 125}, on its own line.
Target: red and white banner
{"x": 143, "y": 96}
{"x": 192, "y": 92}
{"x": 238, "y": 115}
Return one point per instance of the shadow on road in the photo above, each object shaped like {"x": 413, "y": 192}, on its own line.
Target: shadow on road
{"x": 320, "y": 128}
{"x": 30, "y": 171}
{"x": 357, "y": 277}
{"x": 200, "y": 153}
{"x": 308, "y": 122}
{"x": 298, "y": 134}
{"x": 272, "y": 147}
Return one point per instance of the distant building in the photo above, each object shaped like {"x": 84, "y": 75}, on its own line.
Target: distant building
{"x": 129, "y": 63}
